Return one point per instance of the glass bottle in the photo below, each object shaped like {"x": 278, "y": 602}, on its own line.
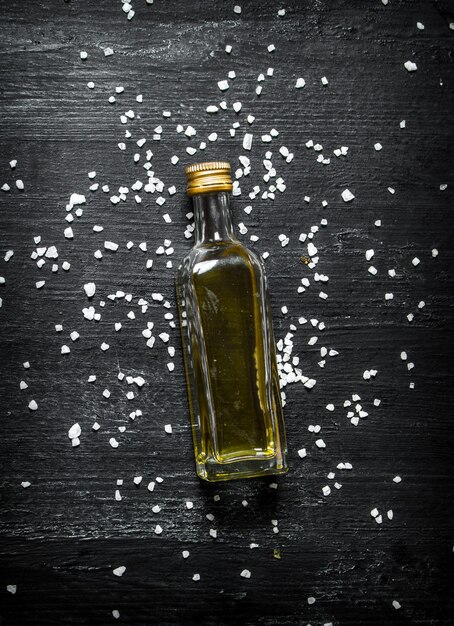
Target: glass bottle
{"x": 228, "y": 341}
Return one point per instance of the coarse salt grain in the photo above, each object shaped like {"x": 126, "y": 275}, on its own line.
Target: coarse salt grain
{"x": 119, "y": 571}
{"x": 347, "y": 195}
{"x": 410, "y": 66}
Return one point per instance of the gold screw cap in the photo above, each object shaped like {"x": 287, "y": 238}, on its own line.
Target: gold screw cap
{"x": 208, "y": 177}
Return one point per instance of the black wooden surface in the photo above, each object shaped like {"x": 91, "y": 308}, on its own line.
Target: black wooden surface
{"x": 62, "y": 536}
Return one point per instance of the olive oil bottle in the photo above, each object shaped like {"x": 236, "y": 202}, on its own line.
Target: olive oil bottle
{"x": 228, "y": 342}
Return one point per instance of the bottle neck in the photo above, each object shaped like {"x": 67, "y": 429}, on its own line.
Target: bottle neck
{"x": 212, "y": 217}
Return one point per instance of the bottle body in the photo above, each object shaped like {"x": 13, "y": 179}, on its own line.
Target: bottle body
{"x": 229, "y": 352}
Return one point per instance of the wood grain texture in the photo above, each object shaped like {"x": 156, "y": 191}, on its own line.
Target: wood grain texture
{"x": 62, "y": 536}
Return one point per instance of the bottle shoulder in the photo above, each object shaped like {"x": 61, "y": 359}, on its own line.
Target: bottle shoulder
{"x": 203, "y": 258}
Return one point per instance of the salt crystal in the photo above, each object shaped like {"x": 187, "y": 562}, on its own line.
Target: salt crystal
{"x": 90, "y": 289}
{"x": 113, "y": 442}
{"x": 247, "y": 141}
{"x": 300, "y": 82}
{"x": 110, "y": 245}
{"x": 410, "y": 66}
{"x": 74, "y": 431}
{"x": 320, "y": 443}
{"x": 347, "y": 195}
{"x": 119, "y": 571}
{"x": 245, "y": 573}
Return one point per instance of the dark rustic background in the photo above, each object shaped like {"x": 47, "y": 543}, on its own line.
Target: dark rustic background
{"x": 62, "y": 536}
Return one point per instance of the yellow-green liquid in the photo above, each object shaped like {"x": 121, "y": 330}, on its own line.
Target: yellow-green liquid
{"x": 228, "y": 299}
{"x": 230, "y": 364}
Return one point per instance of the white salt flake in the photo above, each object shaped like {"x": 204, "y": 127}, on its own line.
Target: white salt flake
{"x": 347, "y": 195}
{"x": 247, "y": 141}
{"x": 74, "y": 431}
{"x": 410, "y": 66}
{"x": 119, "y": 571}
{"x": 223, "y": 85}
{"x": 90, "y": 289}
{"x": 245, "y": 573}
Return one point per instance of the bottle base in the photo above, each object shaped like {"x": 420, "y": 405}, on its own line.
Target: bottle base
{"x": 211, "y": 471}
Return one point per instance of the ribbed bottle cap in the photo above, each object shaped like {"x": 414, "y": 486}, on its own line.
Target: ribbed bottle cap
{"x": 207, "y": 177}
